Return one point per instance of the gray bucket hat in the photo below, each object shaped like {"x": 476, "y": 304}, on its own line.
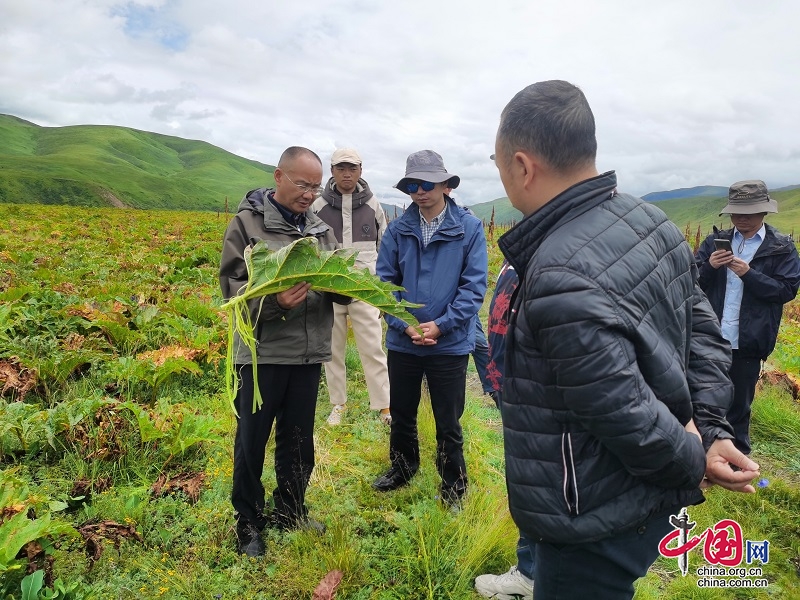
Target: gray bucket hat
{"x": 427, "y": 165}
{"x": 749, "y": 198}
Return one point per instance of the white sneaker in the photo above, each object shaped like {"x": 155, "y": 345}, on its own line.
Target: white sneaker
{"x": 335, "y": 417}
{"x": 385, "y": 417}
{"x": 508, "y": 586}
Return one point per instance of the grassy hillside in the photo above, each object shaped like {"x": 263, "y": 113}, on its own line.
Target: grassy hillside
{"x": 94, "y": 165}
{"x": 97, "y": 165}
{"x": 704, "y": 211}
{"x": 504, "y": 213}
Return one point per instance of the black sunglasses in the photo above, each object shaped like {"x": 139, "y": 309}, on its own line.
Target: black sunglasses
{"x": 413, "y": 186}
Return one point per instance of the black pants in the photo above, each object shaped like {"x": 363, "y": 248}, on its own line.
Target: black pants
{"x": 446, "y": 376}
{"x": 744, "y": 375}
{"x": 289, "y": 393}
{"x": 602, "y": 570}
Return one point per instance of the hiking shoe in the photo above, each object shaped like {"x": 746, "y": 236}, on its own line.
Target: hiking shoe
{"x": 385, "y": 416}
{"x": 298, "y": 523}
{"x": 391, "y": 480}
{"x": 248, "y": 540}
{"x": 309, "y": 524}
{"x": 512, "y": 585}
{"x": 335, "y": 417}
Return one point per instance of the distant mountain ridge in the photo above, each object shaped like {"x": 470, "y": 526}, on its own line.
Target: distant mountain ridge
{"x": 714, "y": 191}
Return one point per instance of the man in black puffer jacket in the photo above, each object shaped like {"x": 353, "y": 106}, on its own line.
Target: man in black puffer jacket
{"x": 614, "y": 360}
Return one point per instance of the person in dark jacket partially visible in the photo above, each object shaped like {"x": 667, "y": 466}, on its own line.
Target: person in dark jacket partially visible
{"x": 761, "y": 273}
{"x": 616, "y": 375}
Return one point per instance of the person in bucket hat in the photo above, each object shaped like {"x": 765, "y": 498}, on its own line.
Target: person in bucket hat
{"x": 429, "y": 166}
{"x": 748, "y": 273}
{"x": 437, "y": 252}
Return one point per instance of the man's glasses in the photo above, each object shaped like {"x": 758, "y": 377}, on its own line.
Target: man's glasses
{"x": 413, "y": 186}
{"x": 314, "y": 190}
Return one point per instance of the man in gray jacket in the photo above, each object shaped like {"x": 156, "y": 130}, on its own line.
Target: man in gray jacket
{"x": 293, "y": 336}
{"x": 358, "y": 222}
{"x": 614, "y": 360}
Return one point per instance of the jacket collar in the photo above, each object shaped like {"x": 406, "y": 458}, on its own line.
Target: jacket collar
{"x": 452, "y": 225}
{"x": 774, "y": 241}
{"x": 521, "y": 242}
{"x": 256, "y": 201}
{"x": 333, "y": 196}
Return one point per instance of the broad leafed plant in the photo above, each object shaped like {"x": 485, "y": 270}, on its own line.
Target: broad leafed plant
{"x": 302, "y": 261}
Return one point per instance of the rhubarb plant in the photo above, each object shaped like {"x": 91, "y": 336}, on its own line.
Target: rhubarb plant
{"x": 272, "y": 272}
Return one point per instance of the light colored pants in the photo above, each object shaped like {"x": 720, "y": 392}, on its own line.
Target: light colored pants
{"x": 368, "y": 332}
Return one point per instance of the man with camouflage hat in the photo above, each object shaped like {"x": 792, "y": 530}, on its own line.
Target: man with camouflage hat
{"x": 761, "y": 273}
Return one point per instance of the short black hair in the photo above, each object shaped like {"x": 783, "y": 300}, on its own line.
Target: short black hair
{"x": 293, "y": 152}
{"x": 553, "y": 120}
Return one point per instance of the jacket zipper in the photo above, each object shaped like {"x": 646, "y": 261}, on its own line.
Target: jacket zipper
{"x": 570, "y": 481}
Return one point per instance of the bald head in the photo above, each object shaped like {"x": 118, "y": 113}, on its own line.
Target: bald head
{"x": 292, "y": 153}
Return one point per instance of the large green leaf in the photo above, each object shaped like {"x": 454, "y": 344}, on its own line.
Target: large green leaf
{"x": 331, "y": 271}
{"x": 302, "y": 261}
{"x": 19, "y": 530}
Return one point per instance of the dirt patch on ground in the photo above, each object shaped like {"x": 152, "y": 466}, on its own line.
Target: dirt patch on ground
{"x": 16, "y": 379}
{"x": 112, "y": 199}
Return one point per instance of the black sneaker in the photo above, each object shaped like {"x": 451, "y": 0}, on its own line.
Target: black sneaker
{"x": 391, "y": 480}
{"x": 283, "y": 523}
{"x": 248, "y": 540}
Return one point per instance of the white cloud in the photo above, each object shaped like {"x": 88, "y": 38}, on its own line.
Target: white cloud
{"x": 684, "y": 93}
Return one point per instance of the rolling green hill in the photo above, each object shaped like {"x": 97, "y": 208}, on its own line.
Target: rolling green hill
{"x": 504, "y": 213}
{"x": 96, "y": 165}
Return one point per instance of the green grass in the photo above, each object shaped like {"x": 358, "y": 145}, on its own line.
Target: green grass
{"x": 86, "y": 294}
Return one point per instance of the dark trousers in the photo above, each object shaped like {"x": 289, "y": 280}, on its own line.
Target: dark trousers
{"x": 289, "y": 393}
{"x": 744, "y": 375}
{"x": 446, "y": 376}
{"x": 481, "y": 356}
{"x": 603, "y": 570}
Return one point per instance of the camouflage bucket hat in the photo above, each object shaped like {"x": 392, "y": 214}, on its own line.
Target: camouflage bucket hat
{"x": 749, "y": 198}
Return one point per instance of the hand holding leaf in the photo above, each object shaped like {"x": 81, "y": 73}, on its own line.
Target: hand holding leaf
{"x": 302, "y": 262}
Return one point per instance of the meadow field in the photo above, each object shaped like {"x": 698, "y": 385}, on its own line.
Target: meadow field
{"x": 116, "y": 442}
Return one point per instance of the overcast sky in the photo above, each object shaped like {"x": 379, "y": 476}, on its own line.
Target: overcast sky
{"x": 685, "y": 93}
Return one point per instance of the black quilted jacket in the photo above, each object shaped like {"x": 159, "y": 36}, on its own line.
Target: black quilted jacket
{"x": 771, "y": 282}
{"x": 612, "y": 348}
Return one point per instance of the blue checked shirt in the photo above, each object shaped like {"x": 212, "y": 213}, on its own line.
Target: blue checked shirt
{"x": 428, "y": 229}
{"x": 744, "y": 249}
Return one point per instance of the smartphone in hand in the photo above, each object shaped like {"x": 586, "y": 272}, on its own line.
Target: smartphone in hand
{"x": 723, "y": 245}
